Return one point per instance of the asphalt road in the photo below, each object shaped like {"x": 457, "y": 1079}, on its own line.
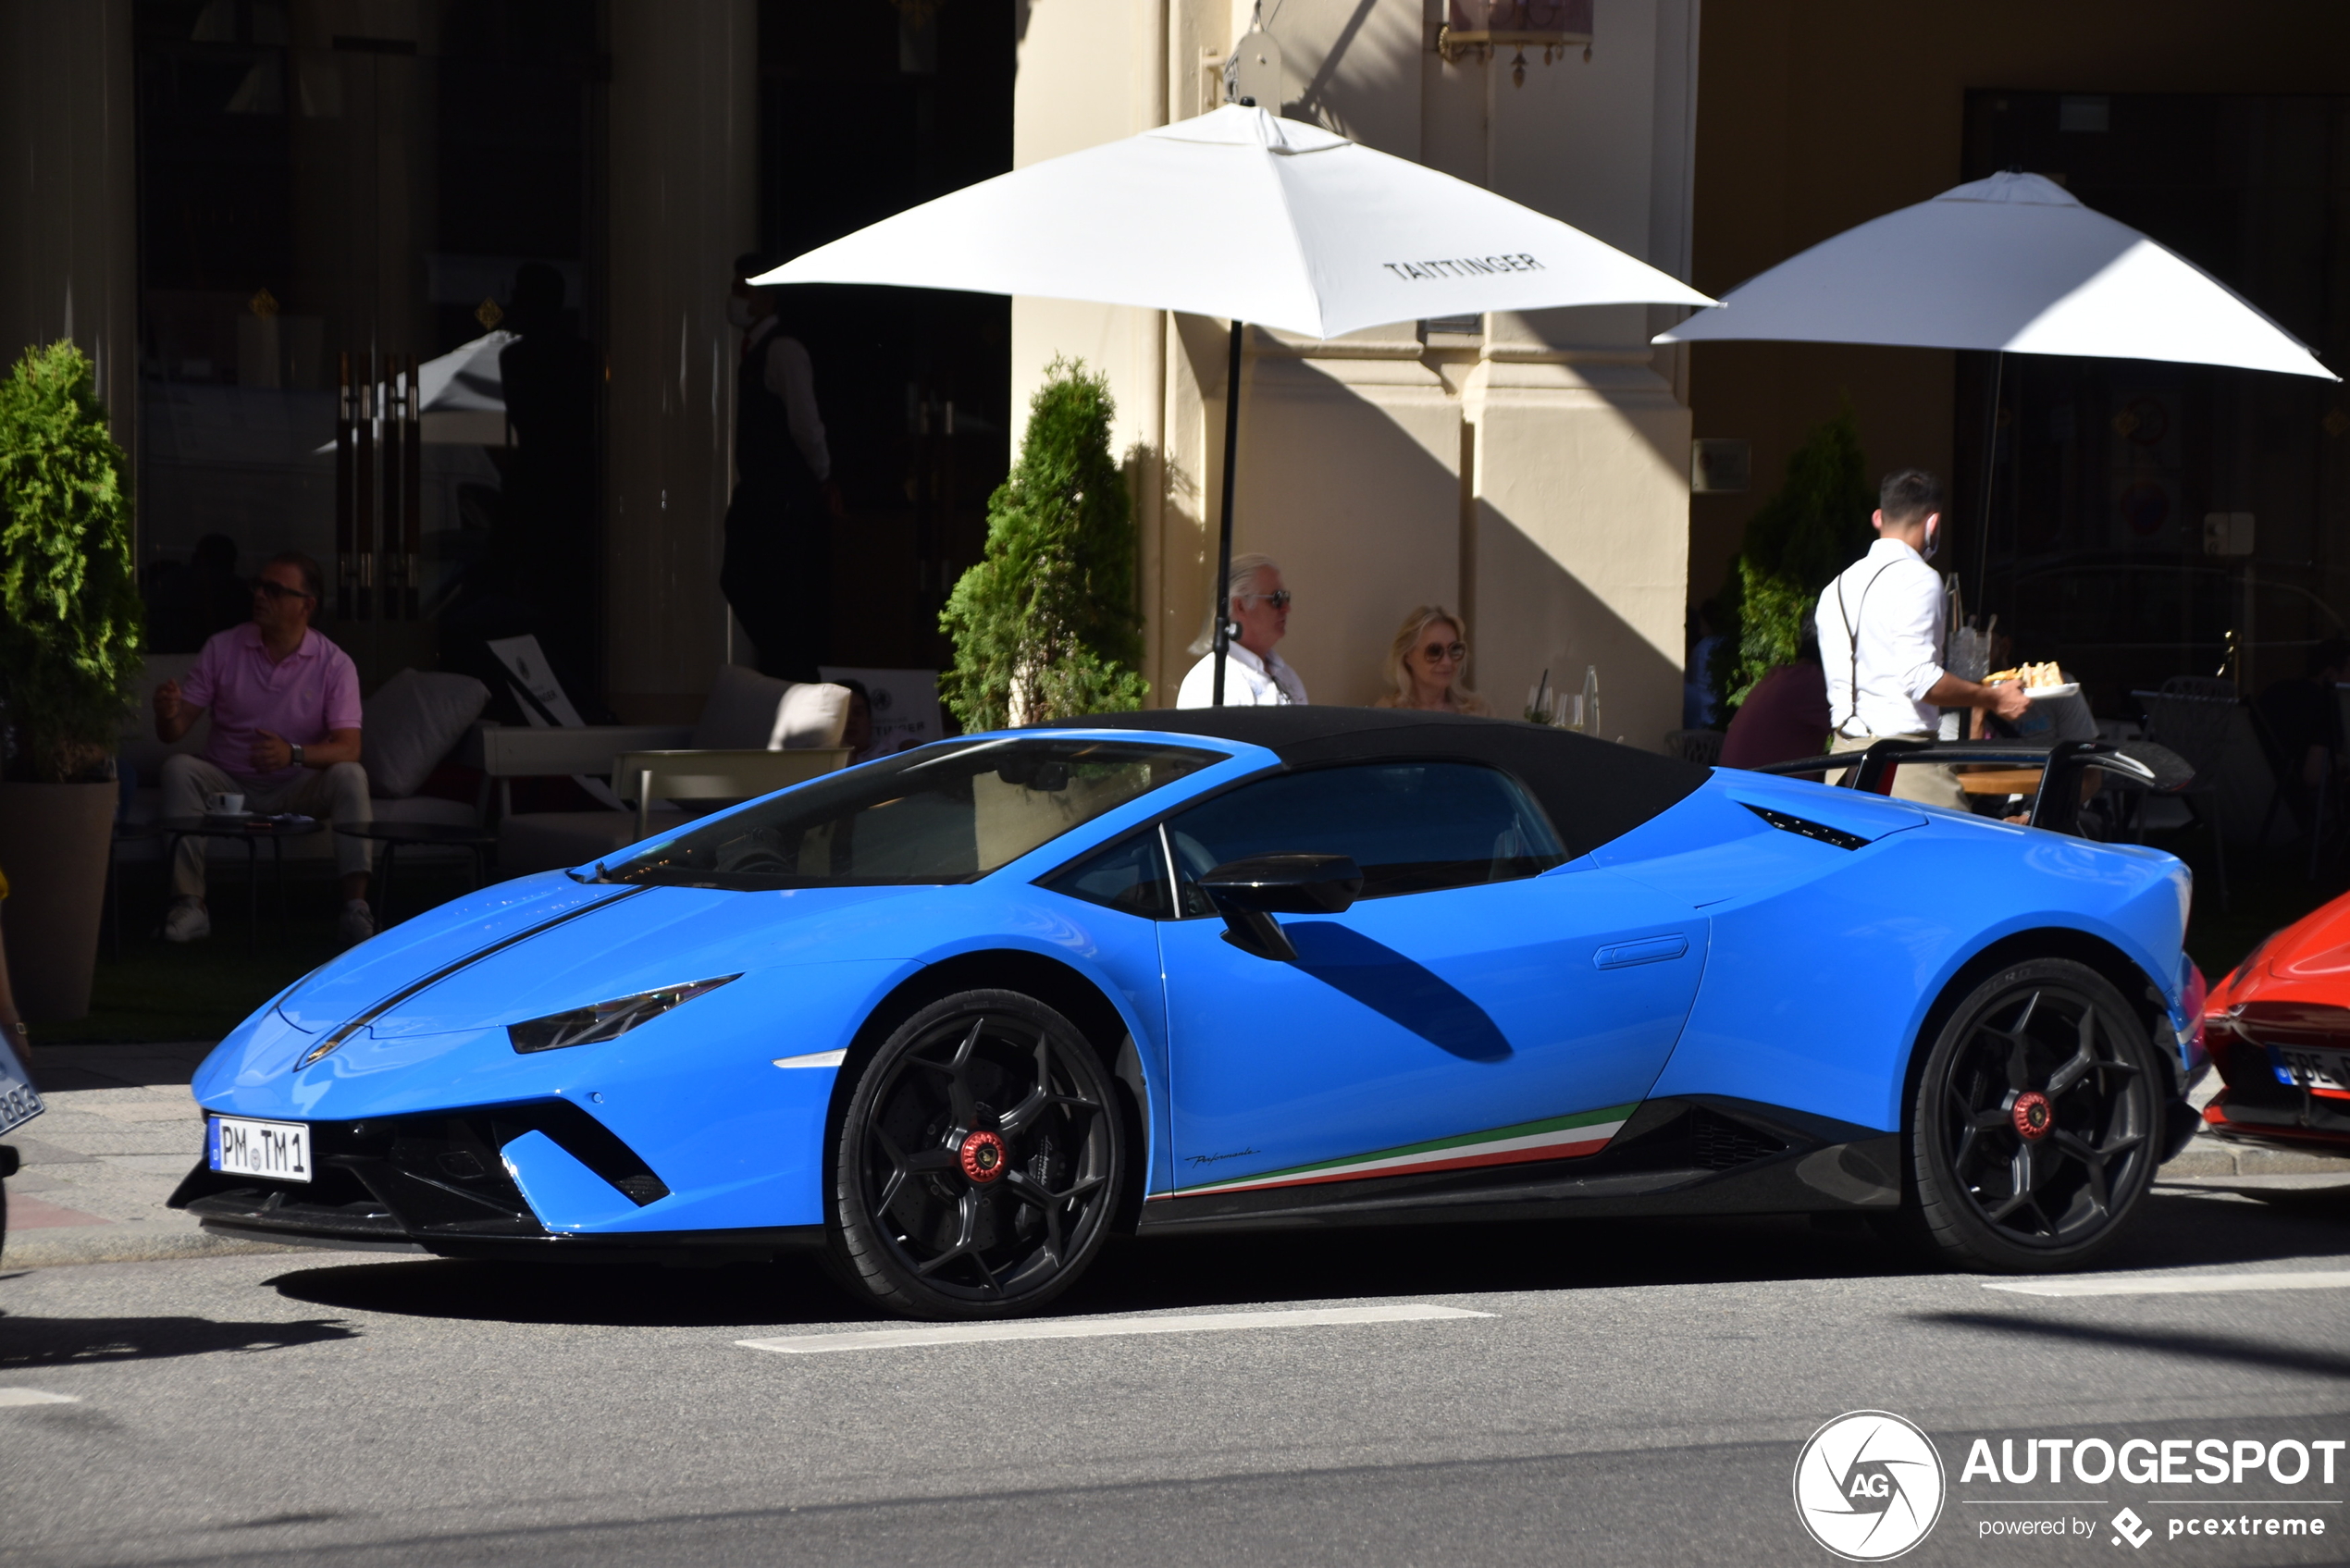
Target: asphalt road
{"x": 1635, "y": 1394}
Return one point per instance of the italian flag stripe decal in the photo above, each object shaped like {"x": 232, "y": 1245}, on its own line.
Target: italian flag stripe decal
{"x": 1586, "y": 1132}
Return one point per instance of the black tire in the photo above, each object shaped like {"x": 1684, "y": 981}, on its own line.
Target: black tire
{"x": 976, "y": 1167}
{"x": 2037, "y": 1123}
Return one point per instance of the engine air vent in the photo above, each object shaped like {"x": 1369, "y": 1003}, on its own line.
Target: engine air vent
{"x": 1804, "y": 828}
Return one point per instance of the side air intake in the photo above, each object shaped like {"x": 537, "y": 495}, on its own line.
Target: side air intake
{"x": 1723, "y": 1145}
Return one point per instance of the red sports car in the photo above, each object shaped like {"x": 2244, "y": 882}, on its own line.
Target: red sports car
{"x": 2278, "y": 1030}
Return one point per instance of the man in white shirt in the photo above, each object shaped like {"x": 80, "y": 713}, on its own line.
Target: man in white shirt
{"x": 1881, "y": 635}
{"x": 1254, "y": 675}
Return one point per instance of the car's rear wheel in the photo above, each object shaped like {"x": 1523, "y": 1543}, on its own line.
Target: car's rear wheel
{"x": 2036, "y": 1126}
{"x": 978, "y": 1161}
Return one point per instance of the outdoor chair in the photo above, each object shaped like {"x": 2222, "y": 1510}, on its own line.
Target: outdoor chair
{"x": 747, "y": 716}
{"x": 2116, "y": 810}
{"x": 2306, "y": 805}
{"x": 1700, "y": 746}
{"x": 2195, "y": 726}
{"x": 414, "y": 724}
{"x": 645, "y": 777}
{"x": 2218, "y": 687}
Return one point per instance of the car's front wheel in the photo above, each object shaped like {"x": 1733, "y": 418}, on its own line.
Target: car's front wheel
{"x": 977, "y": 1164}
{"x": 2037, "y": 1122}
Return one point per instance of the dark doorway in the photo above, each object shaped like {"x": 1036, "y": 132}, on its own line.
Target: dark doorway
{"x": 325, "y": 208}
{"x": 2103, "y": 555}
{"x": 865, "y": 109}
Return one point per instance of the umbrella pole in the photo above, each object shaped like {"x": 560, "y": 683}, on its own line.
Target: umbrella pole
{"x": 1224, "y": 532}
{"x": 1990, "y": 473}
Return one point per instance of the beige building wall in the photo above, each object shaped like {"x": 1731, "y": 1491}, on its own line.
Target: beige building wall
{"x": 1531, "y": 475}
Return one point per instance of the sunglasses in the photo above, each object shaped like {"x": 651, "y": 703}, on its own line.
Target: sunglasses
{"x": 1278, "y": 598}
{"x": 1444, "y": 652}
{"x": 278, "y": 590}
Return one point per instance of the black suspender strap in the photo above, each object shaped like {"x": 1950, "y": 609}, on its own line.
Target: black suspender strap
{"x": 1853, "y": 638}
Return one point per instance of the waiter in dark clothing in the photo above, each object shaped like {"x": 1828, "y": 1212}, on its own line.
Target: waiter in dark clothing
{"x": 778, "y": 568}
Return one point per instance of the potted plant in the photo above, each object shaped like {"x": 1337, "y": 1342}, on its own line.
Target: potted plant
{"x": 1044, "y": 626}
{"x": 1795, "y": 544}
{"x": 69, "y": 641}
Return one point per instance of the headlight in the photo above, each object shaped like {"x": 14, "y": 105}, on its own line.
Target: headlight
{"x": 605, "y": 1020}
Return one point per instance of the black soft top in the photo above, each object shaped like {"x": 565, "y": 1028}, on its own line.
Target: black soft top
{"x": 1592, "y": 790}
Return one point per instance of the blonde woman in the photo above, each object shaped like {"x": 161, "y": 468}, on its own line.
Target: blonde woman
{"x": 1424, "y": 664}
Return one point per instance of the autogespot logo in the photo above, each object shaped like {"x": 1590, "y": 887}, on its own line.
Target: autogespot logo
{"x": 1868, "y": 1486}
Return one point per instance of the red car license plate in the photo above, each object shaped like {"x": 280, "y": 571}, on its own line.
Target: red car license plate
{"x": 2328, "y": 1072}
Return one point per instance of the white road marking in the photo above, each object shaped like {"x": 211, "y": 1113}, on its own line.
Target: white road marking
{"x": 814, "y": 1059}
{"x": 2176, "y": 1284}
{"x": 35, "y": 1396}
{"x": 1099, "y": 1328}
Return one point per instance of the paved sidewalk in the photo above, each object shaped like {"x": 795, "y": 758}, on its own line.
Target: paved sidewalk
{"x": 120, "y": 1131}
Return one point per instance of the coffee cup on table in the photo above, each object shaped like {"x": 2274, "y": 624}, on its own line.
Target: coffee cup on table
{"x": 225, "y": 805}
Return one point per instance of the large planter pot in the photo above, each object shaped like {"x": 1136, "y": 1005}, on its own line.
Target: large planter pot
{"x": 53, "y": 849}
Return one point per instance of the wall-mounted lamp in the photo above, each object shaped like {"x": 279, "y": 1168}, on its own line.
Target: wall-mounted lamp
{"x": 1479, "y": 26}
{"x": 1252, "y": 75}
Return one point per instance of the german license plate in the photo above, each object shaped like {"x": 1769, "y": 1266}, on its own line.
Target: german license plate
{"x": 2317, "y": 1069}
{"x": 278, "y": 1150}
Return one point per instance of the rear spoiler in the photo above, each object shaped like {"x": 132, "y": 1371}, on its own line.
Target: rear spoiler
{"x": 2057, "y": 807}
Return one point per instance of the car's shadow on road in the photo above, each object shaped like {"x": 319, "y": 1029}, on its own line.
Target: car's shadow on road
{"x": 2175, "y": 1229}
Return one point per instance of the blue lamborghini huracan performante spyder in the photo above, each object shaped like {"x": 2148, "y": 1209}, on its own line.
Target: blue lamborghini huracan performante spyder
{"x": 955, "y": 1017}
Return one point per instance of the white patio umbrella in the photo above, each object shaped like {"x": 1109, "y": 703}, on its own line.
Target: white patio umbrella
{"x": 2013, "y": 263}
{"x": 465, "y": 381}
{"x": 461, "y": 397}
{"x": 1242, "y": 215}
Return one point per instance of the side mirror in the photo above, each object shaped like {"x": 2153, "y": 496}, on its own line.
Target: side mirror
{"x": 1249, "y": 893}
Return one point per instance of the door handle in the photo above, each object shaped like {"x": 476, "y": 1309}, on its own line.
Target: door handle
{"x": 1648, "y": 950}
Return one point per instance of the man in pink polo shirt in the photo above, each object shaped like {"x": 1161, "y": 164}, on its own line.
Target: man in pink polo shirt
{"x": 285, "y": 735}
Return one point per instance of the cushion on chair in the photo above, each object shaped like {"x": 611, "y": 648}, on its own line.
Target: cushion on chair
{"x": 811, "y": 714}
{"x": 740, "y": 712}
{"x": 415, "y": 719}
{"x": 749, "y": 711}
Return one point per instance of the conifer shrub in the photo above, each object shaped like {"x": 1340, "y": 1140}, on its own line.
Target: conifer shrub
{"x": 70, "y": 620}
{"x": 1795, "y": 544}
{"x": 1045, "y": 625}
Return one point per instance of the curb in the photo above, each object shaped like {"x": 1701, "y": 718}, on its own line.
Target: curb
{"x": 2207, "y": 1156}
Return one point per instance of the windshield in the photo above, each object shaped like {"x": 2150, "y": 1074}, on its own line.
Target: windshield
{"x": 946, "y": 813}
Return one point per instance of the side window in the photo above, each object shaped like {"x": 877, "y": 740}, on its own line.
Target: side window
{"x": 1413, "y": 827}
{"x": 1130, "y": 875}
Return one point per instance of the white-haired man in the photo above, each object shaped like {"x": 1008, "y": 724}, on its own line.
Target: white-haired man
{"x": 1254, "y": 675}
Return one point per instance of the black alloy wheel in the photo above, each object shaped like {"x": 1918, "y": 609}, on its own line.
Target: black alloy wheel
{"x": 977, "y": 1162}
{"x": 2037, "y": 1123}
